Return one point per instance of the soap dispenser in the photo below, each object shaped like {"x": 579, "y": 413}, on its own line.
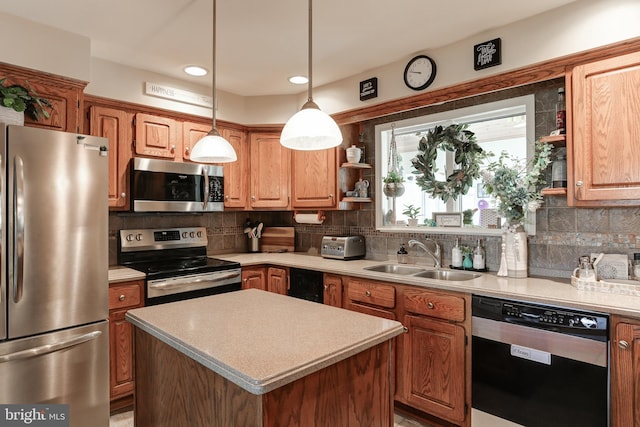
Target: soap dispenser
{"x": 479, "y": 257}
{"x": 403, "y": 256}
{"x": 456, "y": 255}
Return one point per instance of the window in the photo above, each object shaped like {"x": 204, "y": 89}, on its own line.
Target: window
{"x": 498, "y": 126}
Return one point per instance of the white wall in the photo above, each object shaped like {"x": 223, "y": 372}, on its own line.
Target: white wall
{"x": 579, "y": 26}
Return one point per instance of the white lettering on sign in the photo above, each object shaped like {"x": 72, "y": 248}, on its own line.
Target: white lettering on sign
{"x": 178, "y": 95}
{"x": 485, "y": 53}
{"x": 531, "y": 354}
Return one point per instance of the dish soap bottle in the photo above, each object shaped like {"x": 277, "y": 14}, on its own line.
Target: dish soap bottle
{"x": 402, "y": 255}
{"x": 456, "y": 255}
{"x": 478, "y": 257}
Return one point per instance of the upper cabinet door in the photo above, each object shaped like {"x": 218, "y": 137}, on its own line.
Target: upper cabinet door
{"x": 270, "y": 170}
{"x": 191, "y": 134}
{"x": 313, "y": 179}
{"x": 115, "y": 125}
{"x": 158, "y": 137}
{"x": 605, "y": 133}
{"x": 236, "y": 174}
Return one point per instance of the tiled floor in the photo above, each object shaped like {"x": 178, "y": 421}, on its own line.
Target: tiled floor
{"x": 125, "y": 419}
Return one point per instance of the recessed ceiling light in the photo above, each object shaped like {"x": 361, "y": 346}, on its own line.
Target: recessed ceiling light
{"x": 298, "y": 80}
{"x": 194, "y": 70}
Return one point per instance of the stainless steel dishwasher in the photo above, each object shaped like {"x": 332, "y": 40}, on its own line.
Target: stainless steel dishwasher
{"x": 539, "y": 365}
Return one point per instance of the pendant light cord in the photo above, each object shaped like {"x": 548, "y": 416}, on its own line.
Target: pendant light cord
{"x": 310, "y": 98}
{"x": 213, "y": 72}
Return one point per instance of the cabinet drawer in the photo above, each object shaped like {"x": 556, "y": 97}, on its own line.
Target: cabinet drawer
{"x": 441, "y": 306}
{"x": 125, "y": 296}
{"x": 372, "y": 293}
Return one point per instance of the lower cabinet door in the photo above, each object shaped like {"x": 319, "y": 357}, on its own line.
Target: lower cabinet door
{"x": 434, "y": 367}
{"x": 121, "y": 357}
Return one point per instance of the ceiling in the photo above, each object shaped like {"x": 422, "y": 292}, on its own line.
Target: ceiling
{"x": 260, "y": 44}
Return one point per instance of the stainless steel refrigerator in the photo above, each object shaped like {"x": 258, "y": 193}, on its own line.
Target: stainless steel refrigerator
{"x": 54, "y": 346}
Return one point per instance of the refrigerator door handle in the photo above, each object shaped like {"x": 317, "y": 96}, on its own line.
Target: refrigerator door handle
{"x": 18, "y": 229}
{"x": 49, "y": 348}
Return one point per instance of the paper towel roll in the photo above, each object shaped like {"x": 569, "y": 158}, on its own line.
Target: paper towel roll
{"x": 308, "y": 218}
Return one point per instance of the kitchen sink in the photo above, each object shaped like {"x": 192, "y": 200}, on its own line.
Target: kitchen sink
{"x": 453, "y": 276}
{"x": 394, "y": 269}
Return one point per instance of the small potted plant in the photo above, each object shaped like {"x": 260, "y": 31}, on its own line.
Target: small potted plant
{"x": 393, "y": 185}
{"x": 467, "y": 216}
{"x": 412, "y": 213}
{"x": 24, "y": 99}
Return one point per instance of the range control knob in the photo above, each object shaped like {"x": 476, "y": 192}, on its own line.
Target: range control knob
{"x": 199, "y": 234}
{"x": 139, "y": 237}
{"x": 129, "y": 238}
{"x": 192, "y": 234}
{"x": 185, "y": 234}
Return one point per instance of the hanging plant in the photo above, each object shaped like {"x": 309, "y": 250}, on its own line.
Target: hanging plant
{"x": 467, "y": 155}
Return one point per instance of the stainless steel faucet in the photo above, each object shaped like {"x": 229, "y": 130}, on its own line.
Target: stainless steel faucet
{"x": 436, "y": 255}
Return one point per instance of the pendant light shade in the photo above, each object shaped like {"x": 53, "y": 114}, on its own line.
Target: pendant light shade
{"x": 213, "y": 148}
{"x": 310, "y": 128}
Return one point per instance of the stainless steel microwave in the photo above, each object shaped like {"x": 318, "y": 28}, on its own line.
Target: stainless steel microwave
{"x": 166, "y": 186}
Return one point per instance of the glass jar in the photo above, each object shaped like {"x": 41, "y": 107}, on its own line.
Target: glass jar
{"x": 636, "y": 266}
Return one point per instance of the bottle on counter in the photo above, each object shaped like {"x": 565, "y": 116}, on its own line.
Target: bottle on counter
{"x": 636, "y": 266}
{"x": 403, "y": 256}
{"x": 561, "y": 112}
{"x": 478, "y": 257}
{"x": 559, "y": 170}
{"x": 456, "y": 255}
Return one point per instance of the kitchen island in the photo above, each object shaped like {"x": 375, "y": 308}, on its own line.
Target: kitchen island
{"x": 255, "y": 358}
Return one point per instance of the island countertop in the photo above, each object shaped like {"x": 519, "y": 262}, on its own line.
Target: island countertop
{"x": 261, "y": 340}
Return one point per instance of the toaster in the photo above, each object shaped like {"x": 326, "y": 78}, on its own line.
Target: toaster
{"x": 343, "y": 247}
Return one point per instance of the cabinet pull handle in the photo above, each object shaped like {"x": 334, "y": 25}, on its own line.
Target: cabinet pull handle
{"x": 122, "y": 297}
{"x": 579, "y": 184}
{"x": 623, "y": 344}
{"x": 430, "y": 305}
{"x": 367, "y": 293}
{"x": 326, "y": 287}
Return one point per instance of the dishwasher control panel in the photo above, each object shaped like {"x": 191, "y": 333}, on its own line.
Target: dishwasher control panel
{"x": 559, "y": 319}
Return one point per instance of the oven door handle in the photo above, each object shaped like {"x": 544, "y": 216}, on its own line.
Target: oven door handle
{"x": 181, "y": 281}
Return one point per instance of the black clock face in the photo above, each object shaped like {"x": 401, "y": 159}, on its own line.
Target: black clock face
{"x": 420, "y": 72}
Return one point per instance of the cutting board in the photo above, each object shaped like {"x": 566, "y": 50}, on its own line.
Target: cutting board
{"x": 278, "y": 239}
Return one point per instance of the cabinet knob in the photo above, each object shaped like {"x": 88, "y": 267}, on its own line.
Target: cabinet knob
{"x": 226, "y": 197}
{"x": 123, "y": 195}
{"x": 173, "y": 148}
{"x": 331, "y": 196}
{"x": 367, "y": 293}
{"x": 579, "y": 184}
{"x": 623, "y": 344}
{"x": 430, "y": 305}
{"x": 405, "y": 329}
{"x": 253, "y": 198}
{"x": 326, "y": 287}
{"x": 186, "y": 150}
{"x": 122, "y": 297}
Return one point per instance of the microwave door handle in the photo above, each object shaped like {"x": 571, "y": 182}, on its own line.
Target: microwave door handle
{"x": 18, "y": 229}
{"x": 205, "y": 174}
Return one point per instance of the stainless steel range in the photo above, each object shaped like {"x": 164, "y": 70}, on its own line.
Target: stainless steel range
{"x": 176, "y": 264}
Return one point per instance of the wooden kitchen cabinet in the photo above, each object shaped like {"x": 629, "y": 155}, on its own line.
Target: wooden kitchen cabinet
{"x": 603, "y": 133}
{"x": 625, "y": 372}
{"x": 270, "y": 172}
{"x": 254, "y": 277}
{"x": 435, "y": 361}
{"x": 371, "y": 297}
{"x": 158, "y": 136}
{"x": 65, "y": 94}
{"x": 192, "y": 132}
{"x": 115, "y": 125}
{"x": 332, "y": 290}
{"x": 314, "y": 176}
{"x": 236, "y": 174}
{"x": 122, "y": 297}
{"x": 278, "y": 280}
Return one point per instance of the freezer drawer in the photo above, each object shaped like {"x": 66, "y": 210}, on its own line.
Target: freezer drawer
{"x": 65, "y": 367}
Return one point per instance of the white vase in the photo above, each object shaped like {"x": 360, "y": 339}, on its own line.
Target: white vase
{"x": 11, "y": 117}
{"x": 516, "y": 253}
{"x": 353, "y": 154}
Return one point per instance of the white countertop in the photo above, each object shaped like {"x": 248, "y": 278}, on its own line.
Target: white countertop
{"x": 534, "y": 289}
{"x": 124, "y": 274}
{"x": 261, "y": 340}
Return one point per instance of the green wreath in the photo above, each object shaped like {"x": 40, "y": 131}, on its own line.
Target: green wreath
{"x": 467, "y": 154}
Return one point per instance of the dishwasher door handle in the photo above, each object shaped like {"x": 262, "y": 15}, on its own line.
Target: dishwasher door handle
{"x": 564, "y": 345}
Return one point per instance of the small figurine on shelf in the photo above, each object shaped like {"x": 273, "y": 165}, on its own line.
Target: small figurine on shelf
{"x": 467, "y": 262}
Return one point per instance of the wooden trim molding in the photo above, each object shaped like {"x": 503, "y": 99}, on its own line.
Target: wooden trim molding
{"x": 534, "y": 73}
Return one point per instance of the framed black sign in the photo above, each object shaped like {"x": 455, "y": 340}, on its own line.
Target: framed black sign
{"x": 487, "y": 54}
{"x": 368, "y": 89}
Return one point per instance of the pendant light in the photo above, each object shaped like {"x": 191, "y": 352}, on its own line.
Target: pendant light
{"x": 213, "y": 148}
{"x": 310, "y": 128}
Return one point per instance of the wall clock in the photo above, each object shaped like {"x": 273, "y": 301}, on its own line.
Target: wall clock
{"x": 420, "y": 72}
